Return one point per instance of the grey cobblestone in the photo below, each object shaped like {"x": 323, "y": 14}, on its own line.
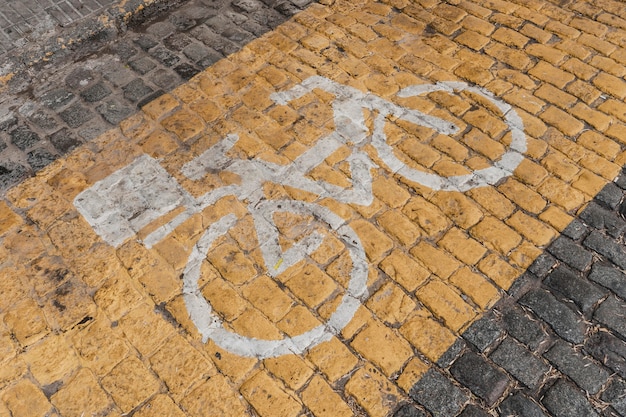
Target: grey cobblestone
{"x": 571, "y": 253}
{"x": 604, "y": 245}
{"x": 483, "y": 332}
{"x": 520, "y": 362}
{"x": 559, "y": 316}
{"x": 482, "y": 378}
{"x": 559, "y": 335}
{"x": 520, "y": 405}
{"x": 100, "y": 82}
{"x": 564, "y": 400}
{"x": 612, "y": 312}
{"x": 585, "y": 372}
{"x": 609, "y": 277}
{"x": 435, "y": 392}
{"x": 584, "y": 293}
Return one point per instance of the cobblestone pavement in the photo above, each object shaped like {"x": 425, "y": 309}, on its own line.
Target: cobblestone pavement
{"x": 398, "y": 208}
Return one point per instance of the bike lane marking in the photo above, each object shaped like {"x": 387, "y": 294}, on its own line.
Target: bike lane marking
{"x": 436, "y": 258}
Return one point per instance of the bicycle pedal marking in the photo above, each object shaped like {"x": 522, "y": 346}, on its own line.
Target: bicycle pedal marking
{"x": 122, "y": 204}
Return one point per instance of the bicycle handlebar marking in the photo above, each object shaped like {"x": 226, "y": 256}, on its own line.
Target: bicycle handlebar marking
{"x": 121, "y": 205}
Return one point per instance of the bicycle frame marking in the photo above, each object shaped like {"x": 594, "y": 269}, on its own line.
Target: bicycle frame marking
{"x": 121, "y": 205}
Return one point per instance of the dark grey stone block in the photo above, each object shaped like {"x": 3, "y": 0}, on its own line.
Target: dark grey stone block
{"x": 574, "y": 287}
{"x": 95, "y": 93}
{"x": 142, "y": 65}
{"x": 609, "y": 277}
{"x": 481, "y": 377}
{"x": 542, "y": 265}
{"x": 610, "y": 196}
{"x": 575, "y": 230}
{"x": 435, "y": 392}
{"x": 520, "y": 406}
{"x": 24, "y": 138}
{"x": 608, "y": 247}
{"x": 64, "y": 141}
{"x": 522, "y": 327}
{"x": 600, "y": 218}
{"x": 483, "y": 332}
{"x": 586, "y": 373}
{"x": 615, "y": 394}
{"x": 520, "y": 362}
{"x": 561, "y": 318}
{"x": 409, "y": 410}
{"x": 564, "y": 400}
{"x": 451, "y": 354}
{"x": 136, "y": 90}
{"x": 612, "y": 312}
{"x": 609, "y": 350}
{"x": 57, "y": 98}
{"x": 473, "y": 411}
{"x": 164, "y": 56}
{"x": 11, "y": 173}
{"x": 40, "y": 158}
{"x": 113, "y": 111}
{"x": 76, "y": 115}
{"x": 571, "y": 253}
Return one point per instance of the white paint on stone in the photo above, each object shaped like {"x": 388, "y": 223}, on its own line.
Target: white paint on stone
{"x": 119, "y": 206}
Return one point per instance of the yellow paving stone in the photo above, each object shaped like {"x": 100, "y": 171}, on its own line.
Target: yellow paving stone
{"x": 404, "y": 270}
{"x": 462, "y": 246}
{"x": 183, "y": 124}
{"x": 323, "y": 401}
{"x": 291, "y": 369}
{"x": 561, "y": 194}
{"x": 446, "y": 304}
{"x": 599, "y": 143}
{"x": 391, "y": 304}
{"x": 458, "y": 208}
{"x": 333, "y": 358}
{"x": 252, "y": 323}
{"x": 531, "y": 228}
{"x": 160, "y": 106}
{"x": 130, "y": 383}
{"x": 236, "y": 368}
{"x": 400, "y": 227}
{"x": 69, "y": 304}
{"x": 232, "y": 264}
{"x": 560, "y": 165}
{"x": 436, "y": 260}
{"x": 180, "y": 366}
{"x": 311, "y": 285}
{"x": 496, "y": 235}
{"x": 117, "y": 296}
{"x": 81, "y": 396}
{"x": 8, "y": 219}
{"x": 159, "y": 405}
{"x": 145, "y": 328}
{"x": 265, "y": 295}
{"x": 426, "y": 215}
{"x": 498, "y": 270}
{"x": 523, "y": 196}
{"x": 99, "y": 346}
{"x": 428, "y": 335}
{"x": 525, "y": 254}
{"x": 373, "y": 391}
{"x": 26, "y": 322}
{"x": 481, "y": 291}
{"x": 375, "y": 243}
{"x": 556, "y": 218}
{"x": 298, "y": 320}
{"x": 25, "y": 399}
{"x": 268, "y": 396}
{"x": 217, "y": 395}
{"x": 382, "y": 347}
{"x": 51, "y": 359}
{"x": 589, "y": 183}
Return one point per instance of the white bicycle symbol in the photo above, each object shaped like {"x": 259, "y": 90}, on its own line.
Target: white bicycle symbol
{"x": 118, "y": 218}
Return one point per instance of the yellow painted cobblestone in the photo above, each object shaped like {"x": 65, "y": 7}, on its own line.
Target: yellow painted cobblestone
{"x": 123, "y": 341}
